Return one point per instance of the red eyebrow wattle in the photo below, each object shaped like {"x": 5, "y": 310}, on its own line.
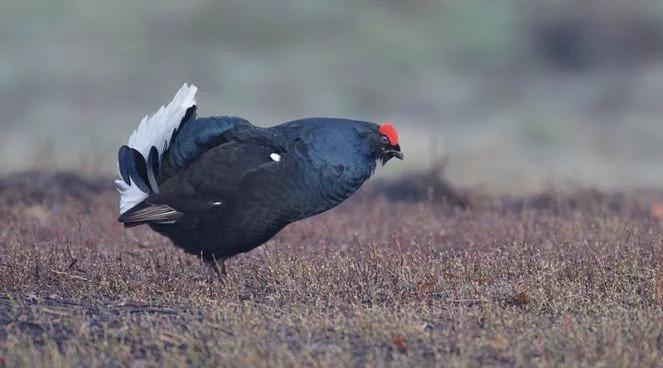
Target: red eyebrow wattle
{"x": 389, "y": 131}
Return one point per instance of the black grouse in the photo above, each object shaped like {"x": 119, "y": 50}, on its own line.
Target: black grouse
{"x": 219, "y": 186}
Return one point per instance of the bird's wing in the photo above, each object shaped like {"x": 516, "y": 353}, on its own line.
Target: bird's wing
{"x": 195, "y": 137}
{"x": 207, "y": 182}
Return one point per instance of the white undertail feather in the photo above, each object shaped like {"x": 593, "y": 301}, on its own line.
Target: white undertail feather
{"x": 155, "y": 131}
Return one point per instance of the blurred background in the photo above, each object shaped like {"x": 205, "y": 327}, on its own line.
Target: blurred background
{"x": 517, "y": 95}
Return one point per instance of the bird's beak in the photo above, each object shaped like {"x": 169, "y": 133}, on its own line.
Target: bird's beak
{"x": 391, "y": 152}
{"x": 396, "y": 152}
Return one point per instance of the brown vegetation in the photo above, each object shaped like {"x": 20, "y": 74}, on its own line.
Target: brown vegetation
{"x": 548, "y": 280}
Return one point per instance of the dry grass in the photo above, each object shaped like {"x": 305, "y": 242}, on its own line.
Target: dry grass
{"x": 547, "y": 281}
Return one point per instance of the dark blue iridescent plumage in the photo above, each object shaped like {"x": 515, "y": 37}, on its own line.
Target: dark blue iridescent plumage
{"x": 219, "y": 191}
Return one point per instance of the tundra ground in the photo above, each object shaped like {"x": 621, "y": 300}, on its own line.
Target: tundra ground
{"x": 549, "y": 280}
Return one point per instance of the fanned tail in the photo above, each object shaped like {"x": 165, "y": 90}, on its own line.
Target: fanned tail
{"x": 139, "y": 160}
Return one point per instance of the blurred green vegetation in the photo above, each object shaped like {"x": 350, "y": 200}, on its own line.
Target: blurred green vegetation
{"x": 517, "y": 93}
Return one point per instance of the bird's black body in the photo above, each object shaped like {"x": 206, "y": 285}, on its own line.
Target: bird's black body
{"x": 221, "y": 191}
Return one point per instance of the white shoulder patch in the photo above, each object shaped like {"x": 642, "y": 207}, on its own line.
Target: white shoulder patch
{"x": 275, "y": 156}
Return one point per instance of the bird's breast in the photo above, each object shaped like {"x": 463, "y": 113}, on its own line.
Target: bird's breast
{"x": 321, "y": 188}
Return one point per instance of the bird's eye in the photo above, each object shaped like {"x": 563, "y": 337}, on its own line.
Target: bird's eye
{"x": 385, "y": 139}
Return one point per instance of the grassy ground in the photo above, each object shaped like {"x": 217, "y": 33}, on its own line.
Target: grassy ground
{"x": 549, "y": 280}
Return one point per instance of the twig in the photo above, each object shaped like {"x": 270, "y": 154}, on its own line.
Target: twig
{"x": 72, "y": 264}
{"x": 70, "y": 275}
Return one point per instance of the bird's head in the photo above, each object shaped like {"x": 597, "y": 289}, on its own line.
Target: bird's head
{"x": 386, "y": 144}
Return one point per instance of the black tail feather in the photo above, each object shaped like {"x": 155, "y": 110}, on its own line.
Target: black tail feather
{"x": 122, "y": 157}
{"x": 152, "y": 169}
{"x": 137, "y": 168}
{"x": 134, "y": 168}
